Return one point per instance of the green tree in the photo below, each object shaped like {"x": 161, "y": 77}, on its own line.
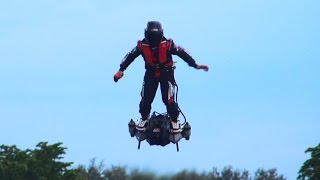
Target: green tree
{"x": 189, "y": 175}
{"x": 270, "y": 174}
{"x": 311, "y": 167}
{"x": 228, "y": 173}
{"x": 42, "y": 163}
{"x": 116, "y": 173}
{"x": 93, "y": 172}
{"x": 140, "y": 175}
{"x": 12, "y": 163}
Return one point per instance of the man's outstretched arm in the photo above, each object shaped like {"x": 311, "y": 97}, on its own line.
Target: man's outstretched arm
{"x": 127, "y": 60}
{"x": 179, "y": 51}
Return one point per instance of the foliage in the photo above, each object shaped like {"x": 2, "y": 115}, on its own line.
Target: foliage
{"x": 311, "y": 167}
{"x": 44, "y": 163}
{"x": 271, "y": 174}
{"x": 227, "y": 173}
{"x": 41, "y": 163}
{"x": 188, "y": 175}
{"x": 116, "y": 173}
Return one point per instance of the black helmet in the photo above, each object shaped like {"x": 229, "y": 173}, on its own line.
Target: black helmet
{"x": 153, "y": 33}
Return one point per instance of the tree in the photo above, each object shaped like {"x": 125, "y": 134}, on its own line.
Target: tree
{"x": 270, "y": 174}
{"x": 140, "y": 175}
{"x": 311, "y": 167}
{"x": 189, "y": 175}
{"x": 116, "y": 173}
{"x": 42, "y": 163}
{"x": 228, "y": 173}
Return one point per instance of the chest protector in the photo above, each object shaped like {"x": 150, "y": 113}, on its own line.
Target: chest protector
{"x": 163, "y": 56}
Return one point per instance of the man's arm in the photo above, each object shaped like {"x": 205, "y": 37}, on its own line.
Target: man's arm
{"x": 127, "y": 60}
{"x": 179, "y": 51}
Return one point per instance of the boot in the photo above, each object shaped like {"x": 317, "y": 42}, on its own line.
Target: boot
{"x": 176, "y": 126}
{"x": 142, "y": 125}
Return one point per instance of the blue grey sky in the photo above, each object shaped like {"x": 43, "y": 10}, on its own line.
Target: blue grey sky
{"x": 257, "y": 107}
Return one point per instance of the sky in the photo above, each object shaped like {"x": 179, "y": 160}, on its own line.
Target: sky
{"x": 257, "y": 107}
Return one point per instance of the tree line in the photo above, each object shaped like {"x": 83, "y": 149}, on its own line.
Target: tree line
{"x": 45, "y": 163}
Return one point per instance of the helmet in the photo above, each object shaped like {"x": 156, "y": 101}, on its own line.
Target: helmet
{"x": 153, "y": 33}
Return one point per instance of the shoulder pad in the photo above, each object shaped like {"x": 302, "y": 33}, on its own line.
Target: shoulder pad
{"x": 139, "y": 45}
{"x": 169, "y": 43}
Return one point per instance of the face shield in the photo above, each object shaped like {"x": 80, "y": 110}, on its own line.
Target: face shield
{"x": 153, "y": 33}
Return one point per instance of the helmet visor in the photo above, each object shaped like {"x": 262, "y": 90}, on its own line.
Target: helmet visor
{"x": 154, "y": 37}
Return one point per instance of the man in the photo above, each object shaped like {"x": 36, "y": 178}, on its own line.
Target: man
{"x": 157, "y": 52}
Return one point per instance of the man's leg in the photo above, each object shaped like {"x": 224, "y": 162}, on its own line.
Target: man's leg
{"x": 168, "y": 98}
{"x": 148, "y": 92}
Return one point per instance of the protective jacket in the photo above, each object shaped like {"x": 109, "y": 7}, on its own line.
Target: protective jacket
{"x": 160, "y": 57}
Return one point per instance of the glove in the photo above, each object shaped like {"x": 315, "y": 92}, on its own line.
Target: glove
{"x": 117, "y": 76}
{"x": 204, "y": 67}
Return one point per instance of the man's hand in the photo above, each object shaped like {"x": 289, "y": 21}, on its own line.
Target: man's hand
{"x": 204, "y": 67}
{"x": 117, "y": 76}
